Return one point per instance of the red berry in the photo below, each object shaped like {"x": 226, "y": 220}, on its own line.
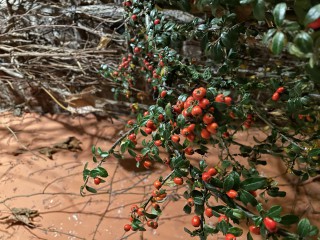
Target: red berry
{"x": 195, "y": 221}
{"x": 191, "y": 137}
{"x": 191, "y": 127}
{"x": 208, "y": 212}
{"x": 212, "y": 128}
{"x": 158, "y": 143}
{"x": 176, "y": 109}
{"x": 203, "y": 103}
{"x": 175, "y": 138}
{"x": 206, "y": 177}
{"x": 156, "y": 22}
{"x": 185, "y": 131}
{"x": 253, "y": 193}
{"x": 223, "y": 218}
{"x": 139, "y": 158}
{"x": 185, "y": 113}
{"x": 270, "y": 224}
{"x": 157, "y": 184}
{"x": 232, "y": 194}
{"x": 228, "y": 100}
{"x": 137, "y": 50}
{"x": 275, "y": 96}
{"x": 127, "y": 227}
{"x": 255, "y": 230}
{"x": 128, "y": 4}
{"x": 189, "y": 151}
{"x": 160, "y": 117}
{"x": 148, "y": 130}
{"x": 280, "y": 90}
{"x": 190, "y": 202}
{"x": 219, "y": 98}
{"x": 212, "y": 171}
{"x": 134, "y": 17}
{"x": 196, "y": 111}
{"x": 208, "y": 118}
{"x": 163, "y": 94}
{"x": 178, "y": 180}
{"x": 199, "y": 93}
{"x": 315, "y": 24}
{"x": 130, "y": 122}
{"x": 230, "y": 236}
{"x": 97, "y": 180}
{"x": 205, "y": 134}
{"x": 147, "y": 164}
{"x": 140, "y": 211}
{"x": 132, "y": 137}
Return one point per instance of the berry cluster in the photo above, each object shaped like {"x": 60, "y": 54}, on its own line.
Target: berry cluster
{"x": 277, "y": 94}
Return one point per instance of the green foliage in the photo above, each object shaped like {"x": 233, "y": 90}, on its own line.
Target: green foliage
{"x": 259, "y": 62}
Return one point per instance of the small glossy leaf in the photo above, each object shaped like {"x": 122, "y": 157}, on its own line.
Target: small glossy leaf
{"x": 314, "y": 152}
{"x": 93, "y": 149}
{"x": 246, "y": 1}
{"x": 279, "y": 13}
{"x": 223, "y": 226}
{"x": 303, "y": 227}
{"x": 278, "y": 42}
{"x": 304, "y": 42}
{"x": 187, "y": 209}
{"x": 235, "y": 231}
{"x": 151, "y": 216}
{"x": 90, "y": 189}
{"x": 254, "y": 183}
{"x": 312, "y": 15}
{"x": 274, "y": 211}
{"x": 247, "y": 197}
{"x": 259, "y": 10}
{"x": 289, "y": 219}
{"x": 228, "y": 183}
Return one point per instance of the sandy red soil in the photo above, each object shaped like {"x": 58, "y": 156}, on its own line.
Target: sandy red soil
{"x": 31, "y": 180}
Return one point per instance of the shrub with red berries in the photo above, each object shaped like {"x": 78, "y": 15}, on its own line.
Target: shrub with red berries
{"x": 195, "y": 104}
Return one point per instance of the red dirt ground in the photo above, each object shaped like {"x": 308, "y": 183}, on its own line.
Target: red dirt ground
{"x": 29, "y": 179}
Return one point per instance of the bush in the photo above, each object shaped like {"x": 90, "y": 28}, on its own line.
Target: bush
{"x": 259, "y": 65}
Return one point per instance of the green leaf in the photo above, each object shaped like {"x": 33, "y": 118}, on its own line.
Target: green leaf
{"x": 187, "y": 209}
{"x": 90, "y": 189}
{"x": 249, "y": 237}
{"x": 303, "y": 227}
{"x": 123, "y": 146}
{"x": 223, "y": 227}
{"x": 235, "y": 231}
{"x": 93, "y": 149}
{"x": 181, "y": 121}
{"x": 254, "y": 183}
{"x": 314, "y": 152}
{"x": 312, "y": 15}
{"x": 246, "y": 1}
{"x": 98, "y": 172}
{"x": 228, "y": 183}
{"x": 274, "y": 211}
{"x": 247, "y": 197}
{"x": 198, "y": 209}
{"x": 104, "y": 154}
{"x": 304, "y": 42}
{"x": 279, "y": 13}
{"x": 278, "y": 42}
{"x": 259, "y": 10}
{"x": 150, "y": 216}
{"x": 289, "y": 219}
{"x": 218, "y": 52}
{"x": 313, "y": 231}
{"x": 132, "y": 153}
